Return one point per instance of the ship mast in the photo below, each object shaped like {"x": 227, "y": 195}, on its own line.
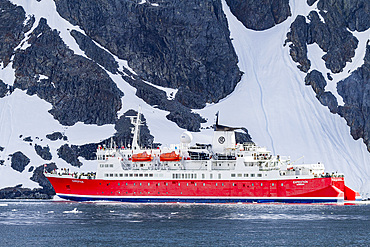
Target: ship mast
{"x": 135, "y": 141}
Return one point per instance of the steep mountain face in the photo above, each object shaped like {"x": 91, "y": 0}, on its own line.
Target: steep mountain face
{"x": 331, "y": 27}
{"x": 72, "y": 72}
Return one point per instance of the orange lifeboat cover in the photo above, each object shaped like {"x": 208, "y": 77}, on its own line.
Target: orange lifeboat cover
{"x": 141, "y": 157}
{"x": 170, "y": 157}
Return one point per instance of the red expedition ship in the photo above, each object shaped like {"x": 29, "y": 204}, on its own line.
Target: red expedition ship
{"x": 224, "y": 172}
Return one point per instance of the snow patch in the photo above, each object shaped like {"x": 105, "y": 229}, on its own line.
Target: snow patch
{"x": 7, "y": 74}
{"x": 170, "y": 92}
{"x": 81, "y": 133}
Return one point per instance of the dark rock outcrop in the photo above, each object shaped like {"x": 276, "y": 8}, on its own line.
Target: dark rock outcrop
{"x": 3, "y": 89}
{"x": 298, "y": 38}
{"x": 78, "y": 89}
{"x": 354, "y": 14}
{"x": 87, "y": 151}
{"x": 43, "y": 152}
{"x": 311, "y": 2}
{"x": 1, "y": 148}
{"x": 124, "y": 136}
{"x": 17, "y": 192}
{"x": 31, "y": 169}
{"x": 260, "y": 15}
{"x": 242, "y": 137}
{"x": 355, "y": 91}
{"x": 332, "y": 35}
{"x": 94, "y": 52}
{"x": 179, "y": 113}
{"x": 318, "y": 83}
{"x": 19, "y": 161}
{"x": 333, "y": 38}
{"x": 28, "y": 139}
{"x": 177, "y": 43}
{"x": 39, "y": 177}
{"x": 12, "y": 29}
{"x": 69, "y": 155}
{"x": 56, "y": 136}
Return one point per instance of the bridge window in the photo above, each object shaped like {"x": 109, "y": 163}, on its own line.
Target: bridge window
{"x": 259, "y": 175}
{"x": 233, "y": 175}
{"x": 245, "y": 175}
{"x": 252, "y": 175}
{"x": 239, "y": 175}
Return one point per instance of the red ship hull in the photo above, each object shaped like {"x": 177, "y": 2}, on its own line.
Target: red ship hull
{"x": 331, "y": 189}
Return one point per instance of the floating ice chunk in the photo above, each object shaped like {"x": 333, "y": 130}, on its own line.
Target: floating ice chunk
{"x": 74, "y": 211}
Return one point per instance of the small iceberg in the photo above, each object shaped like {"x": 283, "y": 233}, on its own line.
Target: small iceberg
{"x": 74, "y": 211}
{"x": 3, "y": 205}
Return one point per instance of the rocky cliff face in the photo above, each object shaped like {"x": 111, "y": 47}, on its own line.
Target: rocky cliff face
{"x": 169, "y": 43}
{"x": 355, "y": 91}
{"x": 331, "y": 27}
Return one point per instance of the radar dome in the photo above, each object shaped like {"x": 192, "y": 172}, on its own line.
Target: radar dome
{"x": 186, "y": 137}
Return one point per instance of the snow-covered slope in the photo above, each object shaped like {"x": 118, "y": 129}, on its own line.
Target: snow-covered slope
{"x": 271, "y": 101}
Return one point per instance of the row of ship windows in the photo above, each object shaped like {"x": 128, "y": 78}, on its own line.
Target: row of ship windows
{"x": 128, "y": 175}
{"x": 106, "y": 165}
{"x": 195, "y": 184}
{"x": 178, "y": 175}
{"x": 239, "y": 175}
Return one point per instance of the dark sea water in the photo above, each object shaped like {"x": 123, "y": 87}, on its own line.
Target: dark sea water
{"x": 53, "y": 223}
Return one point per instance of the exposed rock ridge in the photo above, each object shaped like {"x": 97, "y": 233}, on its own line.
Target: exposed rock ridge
{"x": 333, "y": 36}
{"x": 260, "y": 15}
{"x": 355, "y": 91}
{"x": 175, "y": 44}
{"x": 78, "y": 89}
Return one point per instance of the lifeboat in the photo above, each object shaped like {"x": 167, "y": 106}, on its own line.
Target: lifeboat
{"x": 142, "y": 157}
{"x": 170, "y": 157}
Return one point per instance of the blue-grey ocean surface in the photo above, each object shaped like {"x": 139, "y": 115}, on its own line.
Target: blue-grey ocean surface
{"x": 53, "y": 223}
